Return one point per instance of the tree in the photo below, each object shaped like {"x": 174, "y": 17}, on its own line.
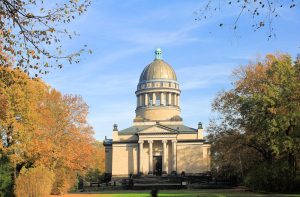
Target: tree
{"x": 263, "y": 12}
{"x": 32, "y": 35}
{"x": 41, "y": 127}
{"x": 261, "y": 115}
{"x": 100, "y": 163}
{"x": 95, "y": 174}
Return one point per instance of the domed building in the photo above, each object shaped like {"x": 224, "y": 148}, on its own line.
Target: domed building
{"x": 158, "y": 143}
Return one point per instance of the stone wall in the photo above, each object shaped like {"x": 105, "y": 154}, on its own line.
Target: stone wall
{"x": 124, "y": 159}
{"x": 158, "y": 113}
{"x": 193, "y": 157}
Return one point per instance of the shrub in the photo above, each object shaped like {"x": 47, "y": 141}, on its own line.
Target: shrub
{"x": 34, "y": 182}
{"x": 64, "y": 180}
{"x": 266, "y": 177}
{"x": 93, "y": 175}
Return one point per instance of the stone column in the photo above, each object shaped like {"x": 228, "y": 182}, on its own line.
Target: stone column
{"x": 162, "y": 98}
{"x": 174, "y": 156}
{"x": 164, "y": 162}
{"x": 170, "y": 99}
{"x": 178, "y": 100}
{"x": 150, "y": 157}
{"x": 141, "y": 100}
{"x": 146, "y": 99}
{"x": 153, "y": 98}
{"x": 141, "y": 144}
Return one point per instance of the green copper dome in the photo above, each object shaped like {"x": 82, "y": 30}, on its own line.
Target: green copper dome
{"x": 158, "y": 69}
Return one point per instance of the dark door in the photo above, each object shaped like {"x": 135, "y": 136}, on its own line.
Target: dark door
{"x": 157, "y": 165}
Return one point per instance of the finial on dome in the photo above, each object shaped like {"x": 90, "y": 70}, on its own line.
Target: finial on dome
{"x": 158, "y": 55}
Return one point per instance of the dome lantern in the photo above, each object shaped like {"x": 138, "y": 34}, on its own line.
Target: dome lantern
{"x": 158, "y": 54}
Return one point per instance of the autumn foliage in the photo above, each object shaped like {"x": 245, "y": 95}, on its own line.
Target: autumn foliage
{"x": 39, "y": 126}
{"x": 256, "y": 135}
{"x": 35, "y": 182}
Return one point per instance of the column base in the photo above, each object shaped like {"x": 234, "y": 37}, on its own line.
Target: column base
{"x": 150, "y": 173}
{"x": 174, "y": 173}
{"x": 164, "y": 173}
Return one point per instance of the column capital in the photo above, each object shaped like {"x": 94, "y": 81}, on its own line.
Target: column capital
{"x": 141, "y": 141}
{"x": 174, "y": 141}
{"x": 150, "y": 141}
{"x": 164, "y": 141}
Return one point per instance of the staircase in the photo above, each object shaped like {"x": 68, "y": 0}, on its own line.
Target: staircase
{"x": 157, "y": 182}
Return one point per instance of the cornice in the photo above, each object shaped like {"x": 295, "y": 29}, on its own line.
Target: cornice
{"x": 157, "y": 89}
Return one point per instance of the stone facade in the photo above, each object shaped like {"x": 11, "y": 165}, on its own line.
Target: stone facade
{"x": 158, "y": 143}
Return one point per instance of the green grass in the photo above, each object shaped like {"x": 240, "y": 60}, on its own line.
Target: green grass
{"x": 192, "y": 193}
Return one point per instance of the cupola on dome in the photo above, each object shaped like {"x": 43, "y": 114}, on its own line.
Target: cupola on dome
{"x": 158, "y": 69}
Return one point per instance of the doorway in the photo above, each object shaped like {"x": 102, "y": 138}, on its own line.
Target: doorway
{"x": 157, "y": 165}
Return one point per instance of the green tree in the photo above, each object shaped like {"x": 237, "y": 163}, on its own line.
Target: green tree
{"x": 31, "y": 31}
{"x": 259, "y": 122}
{"x": 6, "y": 181}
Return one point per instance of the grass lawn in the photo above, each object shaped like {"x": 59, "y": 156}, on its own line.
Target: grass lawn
{"x": 180, "y": 193}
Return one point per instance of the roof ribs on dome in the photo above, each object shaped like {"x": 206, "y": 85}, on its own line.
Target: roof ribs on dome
{"x": 158, "y": 69}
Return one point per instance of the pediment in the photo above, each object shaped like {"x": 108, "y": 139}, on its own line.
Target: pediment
{"x": 158, "y": 129}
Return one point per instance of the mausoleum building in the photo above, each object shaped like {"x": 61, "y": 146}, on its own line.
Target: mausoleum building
{"x": 158, "y": 143}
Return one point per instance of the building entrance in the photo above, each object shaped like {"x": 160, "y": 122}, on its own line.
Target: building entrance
{"x": 157, "y": 165}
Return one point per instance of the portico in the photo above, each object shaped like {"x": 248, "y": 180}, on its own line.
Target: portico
{"x": 164, "y": 155}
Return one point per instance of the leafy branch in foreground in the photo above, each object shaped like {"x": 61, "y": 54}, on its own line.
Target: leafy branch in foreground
{"x": 29, "y": 31}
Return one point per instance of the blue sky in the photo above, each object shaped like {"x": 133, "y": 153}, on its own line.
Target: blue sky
{"x": 123, "y": 36}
